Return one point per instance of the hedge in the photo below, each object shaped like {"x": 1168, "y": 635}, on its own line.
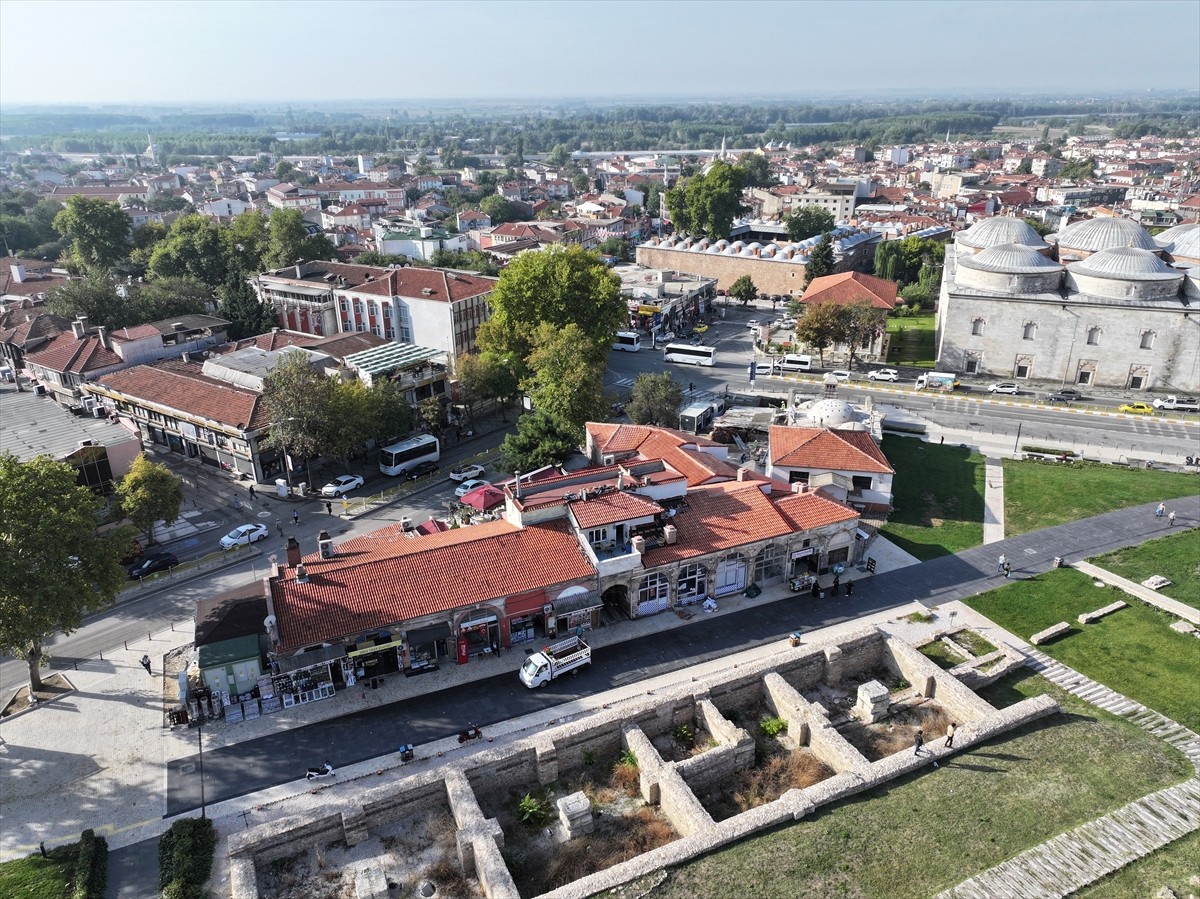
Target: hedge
{"x": 185, "y": 857}
{"x": 91, "y": 868}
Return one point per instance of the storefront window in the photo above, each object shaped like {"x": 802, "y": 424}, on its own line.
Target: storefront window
{"x": 693, "y": 582}
{"x": 653, "y": 594}
{"x": 768, "y": 565}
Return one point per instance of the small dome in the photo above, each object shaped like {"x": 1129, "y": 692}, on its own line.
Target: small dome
{"x": 1182, "y": 241}
{"x": 1125, "y": 264}
{"x": 831, "y": 413}
{"x": 1011, "y": 258}
{"x": 1001, "y": 229}
{"x": 1104, "y": 233}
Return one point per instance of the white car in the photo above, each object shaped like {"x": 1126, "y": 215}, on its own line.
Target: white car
{"x": 1005, "y": 387}
{"x": 340, "y": 486}
{"x": 467, "y": 486}
{"x": 467, "y": 473}
{"x": 753, "y": 323}
{"x": 883, "y": 374}
{"x": 841, "y": 374}
{"x": 786, "y": 324}
{"x": 244, "y": 535}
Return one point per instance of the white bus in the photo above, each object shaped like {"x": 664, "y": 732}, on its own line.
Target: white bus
{"x": 629, "y": 341}
{"x": 400, "y": 457}
{"x": 686, "y": 354}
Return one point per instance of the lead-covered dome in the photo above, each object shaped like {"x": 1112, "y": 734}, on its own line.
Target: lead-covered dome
{"x": 1094, "y": 235}
{"x": 1001, "y": 229}
{"x": 1127, "y": 264}
{"x": 832, "y": 413}
{"x": 1182, "y": 242}
{"x": 1012, "y": 258}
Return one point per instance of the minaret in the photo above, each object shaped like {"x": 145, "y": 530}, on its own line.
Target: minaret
{"x": 722, "y": 156}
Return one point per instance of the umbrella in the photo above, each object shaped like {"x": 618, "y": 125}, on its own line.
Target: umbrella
{"x": 432, "y": 526}
{"x": 484, "y": 498}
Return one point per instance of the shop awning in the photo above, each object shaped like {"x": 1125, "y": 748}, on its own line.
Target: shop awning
{"x": 576, "y": 603}
{"x": 321, "y": 656}
{"x": 423, "y": 636}
{"x": 369, "y": 646}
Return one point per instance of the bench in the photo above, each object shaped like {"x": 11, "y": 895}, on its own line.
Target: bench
{"x": 1089, "y": 617}
{"x": 1056, "y": 630}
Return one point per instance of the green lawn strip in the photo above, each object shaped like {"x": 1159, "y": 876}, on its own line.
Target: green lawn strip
{"x": 938, "y": 497}
{"x": 911, "y": 340}
{"x": 1041, "y": 494}
{"x": 940, "y": 653}
{"x": 1133, "y": 651}
{"x": 1171, "y": 866}
{"x": 921, "y": 834}
{"x": 1176, "y": 558}
{"x": 40, "y": 878}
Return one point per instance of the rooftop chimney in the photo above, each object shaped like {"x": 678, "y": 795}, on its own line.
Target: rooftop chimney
{"x": 742, "y": 474}
{"x": 18, "y": 272}
{"x": 102, "y": 333}
{"x": 83, "y": 320}
{"x": 78, "y": 329}
{"x": 293, "y": 551}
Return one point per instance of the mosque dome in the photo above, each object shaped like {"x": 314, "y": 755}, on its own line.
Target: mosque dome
{"x": 1126, "y": 264}
{"x": 1011, "y": 258}
{"x": 1182, "y": 242}
{"x": 831, "y": 413}
{"x": 1104, "y": 233}
{"x": 1001, "y": 229}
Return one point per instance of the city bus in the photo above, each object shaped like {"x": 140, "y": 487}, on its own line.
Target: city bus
{"x": 400, "y": 457}
{"x": 686, "y": 354}
{"x": 629, "y": 341}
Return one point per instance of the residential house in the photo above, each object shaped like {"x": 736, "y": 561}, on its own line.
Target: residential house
{"x": 846, "y": 464}
{"x": 292, "y": 196}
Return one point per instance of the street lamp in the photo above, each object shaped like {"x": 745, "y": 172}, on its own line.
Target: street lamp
{"x": 200, "y": 745}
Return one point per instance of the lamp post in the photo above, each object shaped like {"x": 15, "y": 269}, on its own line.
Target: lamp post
{"x": 200, "y": 746}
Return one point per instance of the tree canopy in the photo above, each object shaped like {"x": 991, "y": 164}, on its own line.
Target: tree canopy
{"x": 820, "y": 260}
{"x": 149, "y": 493}
{"x": 808, "y": 221}
{"x": 707, "y": 203}
{"x": 655, "y": 400}
{"x": 54, "y": 568}
{"x": 743, "y": 289}
{"x": 288, "y": 241}
{"x": 98, "y": 231}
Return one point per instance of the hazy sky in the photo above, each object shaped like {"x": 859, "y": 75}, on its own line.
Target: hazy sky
{"x": 186, "y": 52}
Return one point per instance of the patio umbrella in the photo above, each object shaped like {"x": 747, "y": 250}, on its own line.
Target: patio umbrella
{"x": 484, "y": 498}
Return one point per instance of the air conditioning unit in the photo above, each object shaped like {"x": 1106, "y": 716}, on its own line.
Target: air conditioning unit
{"x": 39, "y": 389}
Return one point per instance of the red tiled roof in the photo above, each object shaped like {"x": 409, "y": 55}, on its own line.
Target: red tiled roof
{"x": 385, "y": 578}
{"x": 67, "y": 353}
{"x": 851, "y": 287}
{"x": 38, "y": 277}
{"x": 137, "y": 332}
{"x": 721, "y": 516}
{"x": 807, "y": 511}
{"x": 402, "y": 282}
{"x": 610, "y": 507}
{"x": 825, "y": 449}
{"x": 26, "y": 327}
{"x": 180, "y": 386}
{"x": 275, "y": 339}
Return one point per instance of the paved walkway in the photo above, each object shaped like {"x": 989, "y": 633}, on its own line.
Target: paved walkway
{"x": 993, "y": 500}
{"x": 1072, "y": 860}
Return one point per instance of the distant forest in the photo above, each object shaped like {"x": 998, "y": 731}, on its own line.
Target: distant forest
{"x": 660, "y": 127}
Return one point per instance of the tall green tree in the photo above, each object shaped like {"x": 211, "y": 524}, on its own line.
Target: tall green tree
{"x": 149, "y": 493}
{"x": 560, "y": 286}
{"x": 299, "y": 402}
{"x": 861, "y": 324}
{"x": 756, "y": 170}
{"x": 486, "y": 376}
{"x": 819, "y": 327}
{"x": 567, "y": 378}
{"x": 499, "y": 210}
{"x": 389, "y": 415}
{"x": 195, "y": 246}
{"x": 288, "y": 241}
{"x": 655, "y": 400}
{"x": 94, "y": 296}
{"x": 541, "y": 439}
{"x": 247, "y": 315}
{"x": 246, "y": 244}
{"x": 808, "y": 221}
{"x": 54, "y": 568}
{"x": 707, "y": 203}
{"x": 820, "y": 260}
{"x": 98, "y": 231}
{"x": 166, "y": 298}
{"x": 743, "y": 290}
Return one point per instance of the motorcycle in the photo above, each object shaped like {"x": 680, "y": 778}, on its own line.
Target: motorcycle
{"x": 325, "y": 770}
{"x": 471, "y": 733}
{"x": 617, "y": 408}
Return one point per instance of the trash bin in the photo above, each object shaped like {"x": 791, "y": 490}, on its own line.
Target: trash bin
{"x": 281, "y": 488}
{"x": 302, "y": 488}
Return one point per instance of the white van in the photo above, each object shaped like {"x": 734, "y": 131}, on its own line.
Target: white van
{"x": 794, "y": 362}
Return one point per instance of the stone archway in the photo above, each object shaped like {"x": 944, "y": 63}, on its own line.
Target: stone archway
{"x": 616, "y": 601}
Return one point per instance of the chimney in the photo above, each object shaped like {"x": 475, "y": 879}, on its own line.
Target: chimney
{"x": 293, "y": 551}
{"x": 79, "y": 329}
{"x": 102, "y": 333}
{"x": 18, "y": 273}
{"x": 301, "y": 574}
{"x": 299, "y": 270}
{"x": 517, "y": 485}
{"x": 741, "y": 474}
{"x": 83, "y": 320}
{"x": 670, "y": 535}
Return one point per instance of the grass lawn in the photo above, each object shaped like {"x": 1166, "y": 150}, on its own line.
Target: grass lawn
{"x": 40, "y": 878}
{"x": 1176, "y": 558}
{"x": 938, "y": 497}
{"x": 919, "y": 835}
{"x": 1170, "y": 866}
{"x": 1133, "y": 651}
{"x": 1040, "y": 494}
{"x": 911, "y": 341}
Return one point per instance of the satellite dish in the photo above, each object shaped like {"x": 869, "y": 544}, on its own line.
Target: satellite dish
{"x": 269, "y": 622}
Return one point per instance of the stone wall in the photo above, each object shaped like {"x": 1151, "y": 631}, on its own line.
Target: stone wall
{"x": 931, "y": 680}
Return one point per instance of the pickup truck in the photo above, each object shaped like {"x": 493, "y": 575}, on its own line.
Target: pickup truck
{"x": 566, "y": 655}
{"x": 1178, "y": 403}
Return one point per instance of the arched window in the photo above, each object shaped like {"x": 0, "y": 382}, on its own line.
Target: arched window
{"x": 1147, "y": 340}
{"x": 977, "y": 328}
{"x": 1093, "y": 336}
{"x": 653, "y": 593}
{"x": 1030, "y": 331}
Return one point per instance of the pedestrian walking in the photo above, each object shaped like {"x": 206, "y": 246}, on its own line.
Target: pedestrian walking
{"x": 918, "y": 742}
{"x": 295, "y": 517}
{"x": 837, "y": 583}
{"x": 1161, "y": 510}
{"x": 943, "y": 441}
{"x": 145, "y": 660}
{"x": 328, "y": 507}
{"x": 279, "y": 526}
{"x": 345, "y": 504}
{"x": 816, "y": 589}
{"x": 252, "y": 493}
{"x": 1001, "y": 562}
{"x": 950, "y": 735}
{"x": 1007, "y": 570}
{"x": 849, "y": 587}
{"x": 1171, "y": 518}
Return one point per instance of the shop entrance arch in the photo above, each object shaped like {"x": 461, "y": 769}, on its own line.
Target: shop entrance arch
{"x": 616, "y": 600}
{"x": 731, "y": 574}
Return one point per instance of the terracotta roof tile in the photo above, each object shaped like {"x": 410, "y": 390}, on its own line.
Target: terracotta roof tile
{"x": 851, "y": 287}
{"x": 807, "y": 511}
{"x": 825, "y": 449}
{"x": 612, "y": 507}
{"x": 177, "y": 385}
{"x": 67, "y": 353}
{"x": 384, "y": 578}
{"x": 718, "y": 517}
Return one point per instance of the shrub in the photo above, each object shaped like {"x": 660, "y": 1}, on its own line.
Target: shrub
{"x": 627, "y": 758}
{"x": 91, "y": 868}
{"x": 685, "y": 734}
{"x": 533, "y": 810}
{"x": 772, "y": 726}
{"x": 185, "y": 857}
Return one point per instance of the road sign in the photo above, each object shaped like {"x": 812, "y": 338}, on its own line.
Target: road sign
{"x": 871, "y": 564}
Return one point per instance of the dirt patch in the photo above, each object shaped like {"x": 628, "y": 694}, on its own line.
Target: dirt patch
{"x": 53, "y": 687}
{"x": 682, "y": 742}
{"x": 895, "y": 733}
{"x": 777, "y": 769}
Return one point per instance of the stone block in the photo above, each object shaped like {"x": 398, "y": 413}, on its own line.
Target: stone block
{"x": 873, "y": 702}
{"x": 575, "y": 815}
{"x": 1056, "y": 630}
{"x": 370, "y": 883}
{"x": 1097, "y": 614}
{"x": 1183, "y": 627}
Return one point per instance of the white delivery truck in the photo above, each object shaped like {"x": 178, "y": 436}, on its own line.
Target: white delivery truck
{"x": 566, "y": 655}
{"x": 1177, "y": 404}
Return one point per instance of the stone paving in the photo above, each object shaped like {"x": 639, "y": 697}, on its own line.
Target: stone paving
{"x": 1072, "y": 860}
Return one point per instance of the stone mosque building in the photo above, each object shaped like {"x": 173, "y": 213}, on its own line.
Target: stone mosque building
{"x": 1100, "y": 304}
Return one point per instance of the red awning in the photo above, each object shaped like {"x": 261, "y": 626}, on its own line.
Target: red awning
{"x": 484, "y": 498}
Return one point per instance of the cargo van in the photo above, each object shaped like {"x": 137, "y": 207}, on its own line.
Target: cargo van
{"x": 794, "y": 362}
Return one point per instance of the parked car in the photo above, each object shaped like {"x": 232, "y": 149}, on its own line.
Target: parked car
{"x": 467, "y": 472}
{"x": 1005, "y": 387}
{"x": 883, "y": 374}
{"x": 786, "y": 323}
{"x": 417, "y": 472}
{"x": 1136, "y": 409}
{"x": 841, "y": 374}
{"x": 467, "y": 486}
{"x": 244, "y": 535}
{"x": 1058, "y": 398}
{"x": 753, "y": 323}
{"x": 134, "y": 554}
{"x": 1069, "y": 394}
{"x": 155, "y": 562}
{"x": 342, "y": 485}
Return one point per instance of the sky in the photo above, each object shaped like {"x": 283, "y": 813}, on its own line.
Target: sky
{"x": 254, "y": 51}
